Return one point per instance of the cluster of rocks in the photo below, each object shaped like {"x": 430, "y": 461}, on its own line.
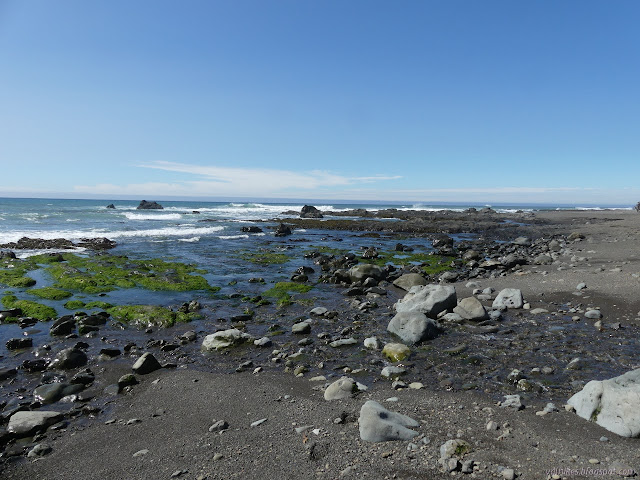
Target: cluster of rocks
{"x": 26, "y": 243}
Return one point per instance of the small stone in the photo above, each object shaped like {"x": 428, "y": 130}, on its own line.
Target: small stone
{"x": 594, "y": 461}
{"x": 491, "y": 425}
{"x": 508, "y": 474}
{"x": 219, "y": 426}
{"x": 416, "y": 385}
{"x": 258, "y": 422}
{"x": 141, "y": 453}
{"x": 218, "y": 456}
{"x": 39, "y": 450}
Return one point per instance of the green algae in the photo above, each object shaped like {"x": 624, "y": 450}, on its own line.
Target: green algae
{"x": 149, "y": 315}
{"x": 50, "y": 293}
{"x": 328, "y": 250}
{"x": 265, "y": 257}
{"x": 74, "y": 305}
{"x": 104, "y": 273}
{"x": 29, "y": 308}
{"x": 431, "y": 264}
{"x": 281, "y": 291}
{"x": 98, "y": 304}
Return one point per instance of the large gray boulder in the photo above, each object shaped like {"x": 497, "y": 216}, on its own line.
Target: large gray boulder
{"x": 470, "y": 308}
{"x": 613, "y": 404}
{"x": 377, "y": 424}
{"x": 362, "y": 271}
{"x": 413, "y": 327}
{"x": 22, "y": 424}
{"x": 224, "y": 339}
{"x": 409, "y": 280}
{"x": 508, "y": 298}
{"x": 428, "y": 299}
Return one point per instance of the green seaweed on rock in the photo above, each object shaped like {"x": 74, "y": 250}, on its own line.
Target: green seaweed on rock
{"x": 265, "y": 257}
{"x": 281, "y": 292}
{"x": 150, "y": 315}
{"x": 29, "y": 308}
{"x": 50, "y": 293}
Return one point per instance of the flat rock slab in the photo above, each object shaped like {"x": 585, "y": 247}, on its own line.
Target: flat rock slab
{"x": 428, "y": 299}
{"x": 377, "y": 424}
{"x": 613, "y": 404}
{"x": 224, "y": 339}
{"x": 23, "y": 424}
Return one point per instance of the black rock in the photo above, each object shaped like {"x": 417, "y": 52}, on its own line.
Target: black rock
{"x": 63, "y": 326}
{"x": 18, "y": 343}
{"x": 252, "y": 229}
{"x": 111, "y": 205}
{"x": 13, "y": 313}
{"x": 7, "y": 254}
{"x": 147, "y": 363}
{"x": 35, "y": 365}
{"x": 283, "y": 230}
{"x": 7, "y": 373}
{"x": 26, "y": 322}
{"x": 97, "y": 243}
{"x": 309, "y": 211}
{"x": 144, "y": 205}
{"x": 69, "y": 358}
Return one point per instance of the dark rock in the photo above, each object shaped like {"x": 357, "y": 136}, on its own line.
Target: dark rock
{"x": 251, "y": 229}
{"x": 442, "y": 242}
{"x": 144, "y": 205}
{"x": 35, "y": 365}
{"x": 12, "y": 313}
{"x": 6, "y": 373}
{"x": 283, "y": 230}
{"x": 111, "y": 205}
{"x": 147, "y": 363}
{"x": 97, "y": 243}
{"x": 26, "y": 322}
{"x": 7, "y": 254}
{"x": 69, "y": 358}
{"x": 83, "y": 378}
{"x": 309, "y": 211}
{"x": 63, "y": 326}
{"x": 18, "y": 343}
{"x": 110, "y": 352}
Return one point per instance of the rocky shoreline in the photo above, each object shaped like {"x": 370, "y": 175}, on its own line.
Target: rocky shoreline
{"x": 469, "y": 361}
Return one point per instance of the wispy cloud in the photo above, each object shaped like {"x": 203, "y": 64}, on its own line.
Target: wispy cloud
{"x": 235, "y": 181}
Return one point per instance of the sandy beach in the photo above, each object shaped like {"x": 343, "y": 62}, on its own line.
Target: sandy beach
{"x": 165, "y": 426}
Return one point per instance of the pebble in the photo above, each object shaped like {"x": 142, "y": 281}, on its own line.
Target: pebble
{"x": 140, "y": 453}
{"x": 258, "y": 422}
{"x": 508, "y": 474}
{"x": 594, "y": 461}
{"x": 218, "y": 456}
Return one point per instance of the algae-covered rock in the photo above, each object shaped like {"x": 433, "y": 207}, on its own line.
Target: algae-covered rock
{"x": 396, "y": 352}
{"x": 224, "y": 339}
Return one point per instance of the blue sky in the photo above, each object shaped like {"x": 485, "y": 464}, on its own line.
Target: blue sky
{"x": 458, "y": 101}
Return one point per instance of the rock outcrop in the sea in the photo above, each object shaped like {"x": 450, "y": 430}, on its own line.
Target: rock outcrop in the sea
{"x": 26, "y": 243}
{"x": 111, "y": 206}
{"x": 282, "y": 230}
{"x": 309, "y": 211}
{"x": 613, "y": 404}
{"x": 251, "y": 229}
{"x": 144, "y": 205}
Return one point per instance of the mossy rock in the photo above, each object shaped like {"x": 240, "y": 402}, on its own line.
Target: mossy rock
{"x": 29, "y": 308}
{"x": 149, "y": 315}
{"x": 104, "y": 273}
{"x": 265, "y": 257}
{"x": 74, "y": 305}
{"x": 396, "y": 352}
{"x": 281, "y": 292}
{"x": 98, "y": 304}
{"x": 50, "y": 293}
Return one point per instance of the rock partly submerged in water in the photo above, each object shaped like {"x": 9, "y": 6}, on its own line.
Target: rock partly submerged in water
{"x": 144, "y": 205}
{"x": 309, "y": 211}
{"x": 26, "y": 243}
{"x": 613, "y": 404}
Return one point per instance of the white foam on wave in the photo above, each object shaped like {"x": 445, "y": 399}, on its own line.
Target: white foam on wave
{"x": 111, "y": 234}
{"x": 153, "y": 216}
{"x": 190, "y": 240}
{"x": 232, "y": 237}
{"x": 31, "y": 253}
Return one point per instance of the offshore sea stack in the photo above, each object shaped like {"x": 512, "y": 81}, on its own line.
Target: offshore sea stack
{"x": 144, "y": 205}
